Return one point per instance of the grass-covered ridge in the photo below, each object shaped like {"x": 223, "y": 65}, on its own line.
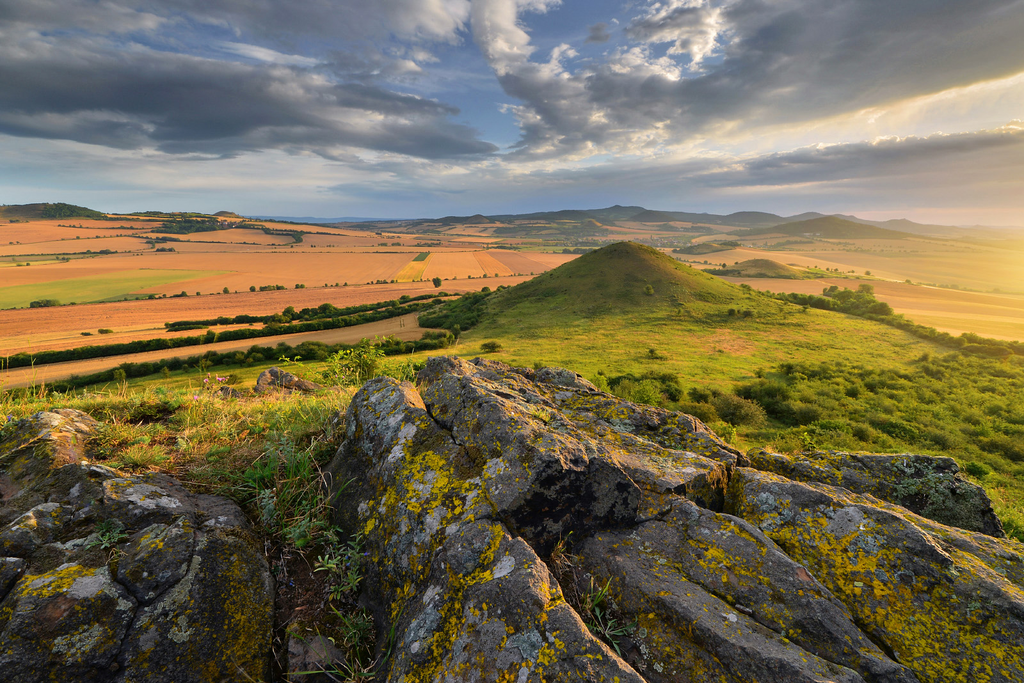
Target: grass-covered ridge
{"x": 620, "y": 277}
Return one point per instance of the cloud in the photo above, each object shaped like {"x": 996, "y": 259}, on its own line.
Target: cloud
{"x": 102, "y": 74}
{"x": 599, "y": 33}
{"x": 84, "y": 90}
{"x": 752, "y": 65}
{"x": 692, "y": 26}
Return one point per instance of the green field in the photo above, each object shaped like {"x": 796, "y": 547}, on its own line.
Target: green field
{"x": 95, "y": 288}
{"x": 422, "y": 256}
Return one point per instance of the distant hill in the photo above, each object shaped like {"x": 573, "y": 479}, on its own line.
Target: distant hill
{"x": 28, "y": 212}
{"x": 707, "y": 248}
{"x": 614, "y": 279}
{"x": 227, "y": 214}
{"x": 829, "y": 227}
{"x": 760, "y": 267}
{"x": 466, "y": 220}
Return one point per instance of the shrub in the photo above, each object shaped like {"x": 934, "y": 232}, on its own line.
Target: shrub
{"x": 979, "y": 470}
{"x": 738, "y": 411}
{"x": 105, "y": 330}
{"x": 490, "y": 347}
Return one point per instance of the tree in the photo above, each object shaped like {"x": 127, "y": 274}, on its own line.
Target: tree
{"x": 436, "y": 281}
{"x": 226, "y": 290}
{"x": 252, "y": 288}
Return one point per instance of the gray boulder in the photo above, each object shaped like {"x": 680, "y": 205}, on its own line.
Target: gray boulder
{"x": 522, "y": 525}
{"x": 109, "y": 577}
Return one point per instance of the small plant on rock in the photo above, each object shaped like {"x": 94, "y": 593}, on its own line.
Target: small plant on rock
{"x": 108, "y": 534}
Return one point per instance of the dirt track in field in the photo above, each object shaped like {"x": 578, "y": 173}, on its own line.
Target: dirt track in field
{"x": 34, "y": 329}
{"x": 404, "y": 327}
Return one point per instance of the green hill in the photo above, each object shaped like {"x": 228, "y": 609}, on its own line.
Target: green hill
{"x": 761, "y": 267}
{"x": 830, "y": 227}
{"x": 29, "y": 212}
{"x": 616, "y": 278}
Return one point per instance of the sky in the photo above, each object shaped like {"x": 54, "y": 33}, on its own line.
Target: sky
{"x": 416, "y": 108}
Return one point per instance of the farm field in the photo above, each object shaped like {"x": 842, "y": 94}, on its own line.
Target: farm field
{"x": 944, "y": 262}
{"x": 61, "y": 328}
{"x": 1000, "y": 316}
{"x": 73, "y": 246}
{"x": 97, "y": 287}
{"x": 404, "y": 328}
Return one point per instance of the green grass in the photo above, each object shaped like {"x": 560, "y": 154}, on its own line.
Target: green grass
{"x": 422, "y": 256}
{"x": 95, "y": 288}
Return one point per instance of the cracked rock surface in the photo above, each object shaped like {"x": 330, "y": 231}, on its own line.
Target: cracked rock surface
{"x": 180, "y": 593}
{"x": 476, "y": 488}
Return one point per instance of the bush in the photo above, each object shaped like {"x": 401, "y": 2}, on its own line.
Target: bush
{"x": 490, "y": 347}
{"x": 44, "y": 303}
{"x": 105, "y": 330}
{"x": 978, "y": 470}
{"x": 738, "y": 411}
{"x": 705, "y": 412}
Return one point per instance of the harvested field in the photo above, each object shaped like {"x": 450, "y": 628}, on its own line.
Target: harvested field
{"x": 451, "y": 265}
{"x": 231, "y": 236}
{"x": 990, "y": 315}
{"x": 404, "y": 327}
{"x": 491, "y": 266}
{"x": 549, "y": 260}
{"x": 519, "y": 263}
{"x": 62, "y": 327}
{"x": 413, "y": 271}
{"x": 73, "y": 246}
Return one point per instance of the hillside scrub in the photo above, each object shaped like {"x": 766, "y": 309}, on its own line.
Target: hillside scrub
{"x": 862, "y": 303}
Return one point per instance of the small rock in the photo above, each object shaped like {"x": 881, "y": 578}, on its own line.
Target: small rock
{"x": 276, "y": 378}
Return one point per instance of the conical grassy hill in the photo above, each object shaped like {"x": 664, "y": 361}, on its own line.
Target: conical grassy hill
{"x": 624, "y": 276}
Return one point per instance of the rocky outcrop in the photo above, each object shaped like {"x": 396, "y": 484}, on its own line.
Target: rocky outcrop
{"x": 276, "y": 379}
{"x": 107, "y": 577}
{"x": 524, "y": 526}
{"x": 929, "y": 486}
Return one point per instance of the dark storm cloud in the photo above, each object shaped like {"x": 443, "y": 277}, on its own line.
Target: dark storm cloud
{"x": 599, "y": 33}
{"x": 79, "y": 82}
{"x": 748, "y": 63}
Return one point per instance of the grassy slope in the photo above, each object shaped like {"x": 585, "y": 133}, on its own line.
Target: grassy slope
{"x": 593, "y": 316}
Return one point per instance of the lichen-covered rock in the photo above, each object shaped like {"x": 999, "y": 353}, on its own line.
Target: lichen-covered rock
{"x": 488, "y": 610}
{"x": 11, "y": 569}
{"x": 929, "y": 486}
{"x": 40, "y": 443}
{"x": 461, "y": 486}
{"x": 155, "y": 558}
{"x": 465, "y": 600}
{"x": 942, "y": 610}
{"x": 212, "y": 625}
{"x": 35, "y": 528}
{"x": 121, "y": 578}
{"x": 277, "y": 379}
{"x": 735, "y": 581}
{"x": 66, "y": 624}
